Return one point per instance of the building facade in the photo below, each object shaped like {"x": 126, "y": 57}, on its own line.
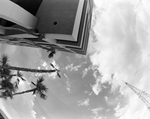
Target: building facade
{"x": 3, "y": 115}
{"x": 64, "y": 23}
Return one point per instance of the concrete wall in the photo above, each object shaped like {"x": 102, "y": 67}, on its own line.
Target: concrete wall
{"x": 57, "y": 16}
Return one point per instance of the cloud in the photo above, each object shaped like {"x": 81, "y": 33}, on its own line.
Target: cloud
{"x": 72, "y": 68}
{"x": 84, "y": 103}
{"x": 85, "y": 71}
{"x": 43, "y": 117}
{"x": 96, "y": 112}
{"x": 89, "y": 93}
{"x": 97, "y": 87}
{"x": 111, "y": 101}
{"x": 106, "y": 98}
{"x": 123, "y": 31}
{"x": 33, "y": 113}
{"x": 135, "y": 109}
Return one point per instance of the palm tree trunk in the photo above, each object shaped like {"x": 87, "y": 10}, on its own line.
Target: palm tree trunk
{"x": 8, "y": 75}
{"x": 27, "y": 91}
{"x": 27, "y": 69}
{"x": 19, "y": 93}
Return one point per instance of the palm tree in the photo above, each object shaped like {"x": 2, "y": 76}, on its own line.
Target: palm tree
{"x": 52, "y": 53}
{"x": 7, "y": 87}
{"x": 5, "y": 66}
{"x": 40, "y": 88}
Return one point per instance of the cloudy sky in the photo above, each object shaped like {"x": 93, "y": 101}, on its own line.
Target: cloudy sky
{"x": 91, "y": 86}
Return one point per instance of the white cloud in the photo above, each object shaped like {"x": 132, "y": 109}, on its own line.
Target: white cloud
{"x": 72, "y": 68}
{"x": 33, "y": 113}
{"x": 111, "y": 101}
{"x": 97, "y": 117}
{"x": 122, "y": 48}
{"x": 84, "y": 103}
{"x": 85, "y": 71}
{"x": 43, "y": 117}
{"x": 89, "y": 93}
{"x": 96, "y": 112}
{"x": 68, "y": 85}
{"x": 106, "y": 98}
{"x": 97, "y": 87}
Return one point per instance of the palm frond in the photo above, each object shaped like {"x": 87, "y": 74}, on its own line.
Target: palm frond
{"x": 7, "y": 93}
{"x": 43, "y": 96}
{"x": 33, "y": 83}
{"x": 34, "y": 92}
{"x": 42, "y": 88}
{"x": 4, "y": 95}
{"x": 52, "y": 53}
{"x": 4, "y": 59}
{"x": 8, "y": 85}
{"x": 5, "y": 72}
{"x": 58, "y": 75}
{"x": 40, "y": 80}
{"x": 22, "y": 79}
{"x": 52, "y": 65}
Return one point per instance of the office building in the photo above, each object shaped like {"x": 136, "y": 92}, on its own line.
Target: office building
{"x": 65, "y": 24}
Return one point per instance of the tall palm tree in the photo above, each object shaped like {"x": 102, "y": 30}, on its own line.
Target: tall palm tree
{"x": 7, "y": 88}
{"x": 5, "y": 66}
{"x": 40, "y": 88}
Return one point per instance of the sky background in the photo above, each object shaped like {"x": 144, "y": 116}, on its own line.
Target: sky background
{"x": 91, "y": 86}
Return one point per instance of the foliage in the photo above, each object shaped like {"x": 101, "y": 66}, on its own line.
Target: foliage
{"x": 40, "y": 88}
{"x": 52, "y": 53}
{"x": 9, "y": 88}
